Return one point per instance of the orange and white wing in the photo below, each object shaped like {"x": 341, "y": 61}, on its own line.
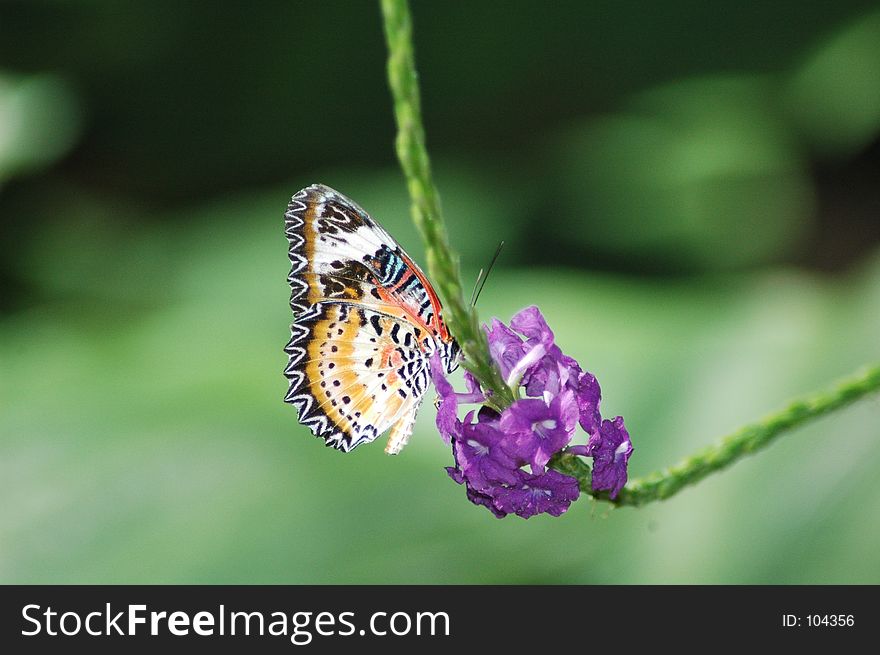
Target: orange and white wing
{"x": 365, "y": 322}
{"x": 355, "y": 373}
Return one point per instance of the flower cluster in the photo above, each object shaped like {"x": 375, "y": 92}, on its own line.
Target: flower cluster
{"x": 492, "y": 450}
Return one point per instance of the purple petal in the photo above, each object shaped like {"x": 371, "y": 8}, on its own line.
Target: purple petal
{"x": 455, "y": 473}
{"x": 482, "y": 458}
{"x": 542, "y": 377}
{"x": 524, "y": 366}
{"x": 588, "y": 397}
{"x": 447, "y": 410}
{"x": 474, "y": 392}
{"x": 551, "y": 492}
{"x": 486, "y": 501}
{"x": 513, "y": 357}
{"x": 554, "y": 372}
{"x": 530, "y": 323}
{"x": 505, "y": 346}
{"x": 536, "y": 431}
{"x": 611, "y": 448}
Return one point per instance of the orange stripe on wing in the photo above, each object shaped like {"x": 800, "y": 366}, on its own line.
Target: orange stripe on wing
{"x": 322, "y": 349}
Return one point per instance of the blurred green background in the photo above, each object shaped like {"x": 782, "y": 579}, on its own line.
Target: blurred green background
{"x": 688, "y": 189}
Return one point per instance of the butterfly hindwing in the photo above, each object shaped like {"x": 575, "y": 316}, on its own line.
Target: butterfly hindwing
{"x": 353, "y": 372}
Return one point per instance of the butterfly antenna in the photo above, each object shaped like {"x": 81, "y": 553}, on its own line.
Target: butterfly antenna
{"x": 481, "y": 278}
{"x": 476, "y": 284}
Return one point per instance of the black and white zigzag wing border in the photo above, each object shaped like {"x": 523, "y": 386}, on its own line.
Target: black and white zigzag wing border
{"x": 294, "y": 221}
{"x": 297, "y": 393}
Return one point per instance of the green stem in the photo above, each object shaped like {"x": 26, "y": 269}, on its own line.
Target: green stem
{"x": 748, "y": 439}
{"x": 464, "y": 325}
{"x": 442, "y": 262}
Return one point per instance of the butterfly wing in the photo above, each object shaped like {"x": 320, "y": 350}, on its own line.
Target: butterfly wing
{"x": 338, "y": 252}
{"x": 365, "y": 322}
{"x": 351, "y": 375}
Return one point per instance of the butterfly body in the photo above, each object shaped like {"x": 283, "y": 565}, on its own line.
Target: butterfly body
{"x": 366, "y": 323}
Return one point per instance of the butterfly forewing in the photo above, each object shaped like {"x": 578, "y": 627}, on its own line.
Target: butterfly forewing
{"x": 337, "y": 248}
{"x": 365, "y": 324}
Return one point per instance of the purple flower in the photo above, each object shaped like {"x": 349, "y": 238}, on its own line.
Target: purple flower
{"x": 491, "y": 452}
{"x": 537, "y": 430}
{"x": 481, "y": 455}
{"x": 550, "y": 492}
{"x": 610, "y": 449}
{"x": 494, "y": 479}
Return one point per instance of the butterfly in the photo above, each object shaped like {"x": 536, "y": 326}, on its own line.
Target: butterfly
{"x": 366, "y": 323}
